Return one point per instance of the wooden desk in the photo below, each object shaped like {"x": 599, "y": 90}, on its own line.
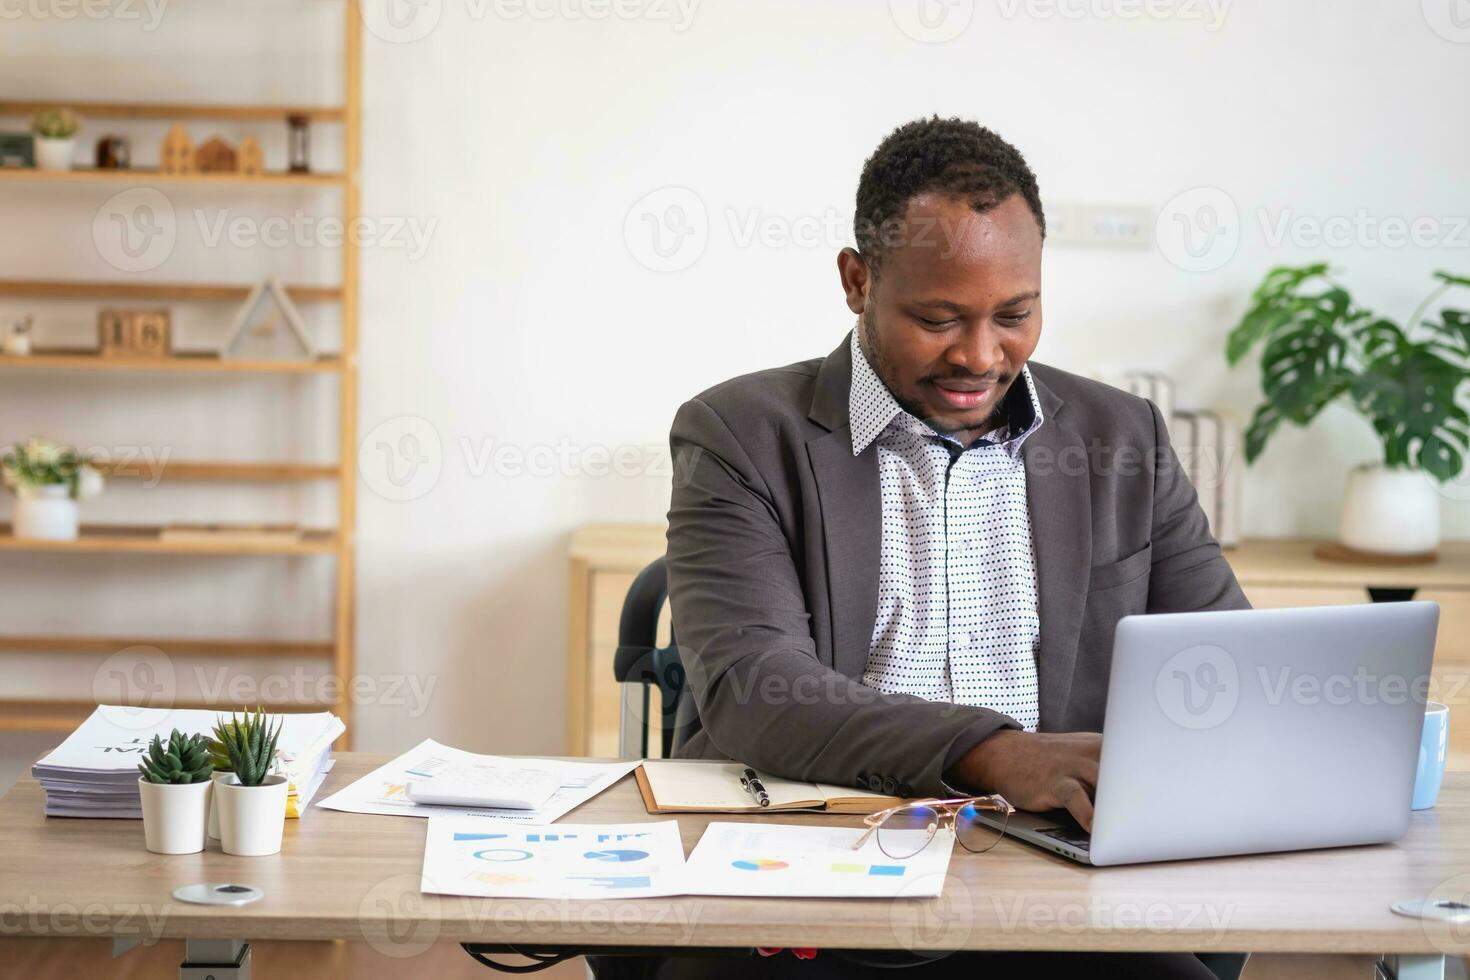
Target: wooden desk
{"x": 356, "y": 877}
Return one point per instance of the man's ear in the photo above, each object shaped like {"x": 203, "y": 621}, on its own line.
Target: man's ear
{"x": 857, "y": 279}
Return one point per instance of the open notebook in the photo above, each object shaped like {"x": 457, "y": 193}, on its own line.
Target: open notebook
{"x": 694, "y": 786}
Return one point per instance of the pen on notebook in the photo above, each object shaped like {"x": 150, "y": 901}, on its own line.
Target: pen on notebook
{"x": 752, "y": 783}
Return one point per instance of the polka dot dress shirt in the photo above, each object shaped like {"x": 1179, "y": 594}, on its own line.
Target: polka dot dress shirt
{"x": 957, "y": 618}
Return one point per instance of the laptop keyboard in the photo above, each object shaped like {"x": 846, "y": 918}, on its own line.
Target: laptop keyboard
{"x": 1072, "y": 834}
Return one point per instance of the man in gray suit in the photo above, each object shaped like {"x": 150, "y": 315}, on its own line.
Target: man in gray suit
{"x": 900, "y": 566}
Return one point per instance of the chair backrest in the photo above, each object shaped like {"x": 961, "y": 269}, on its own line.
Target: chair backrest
{"x": 642, "y": 666}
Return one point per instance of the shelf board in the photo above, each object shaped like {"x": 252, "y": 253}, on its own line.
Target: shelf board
{"x": 175, "y": 110}
{"x": 175, "y": 292}
{"x": 145, "y": 539}
{"x": 176, "y": 363}
{"x": 227, "y": 472}
{"x": 138, "y": 175}
{"x": 171, "y": 647}
{"x": 55, "y": 715}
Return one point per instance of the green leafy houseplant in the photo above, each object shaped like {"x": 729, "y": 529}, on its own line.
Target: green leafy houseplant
{"x": 250, "y": 745}
{"x": 40, "y": 463}
{"x": 55, "y": 124}
{"x": 1321, "y": 347}
{"x": 184, "y": 759}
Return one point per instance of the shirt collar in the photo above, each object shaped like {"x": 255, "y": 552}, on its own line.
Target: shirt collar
{"x": 872, "y": 409}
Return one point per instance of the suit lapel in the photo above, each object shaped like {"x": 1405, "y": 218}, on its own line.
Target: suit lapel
{"x": 852, "y": 514}
{"x": 1057, "y": 489}
{"x": 852, "y": 529}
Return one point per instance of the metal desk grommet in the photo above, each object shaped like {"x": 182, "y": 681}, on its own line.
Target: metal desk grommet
{"x": 218, "y": 893}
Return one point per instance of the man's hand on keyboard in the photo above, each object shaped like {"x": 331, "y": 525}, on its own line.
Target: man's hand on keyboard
{"x": 1041, "y": 771}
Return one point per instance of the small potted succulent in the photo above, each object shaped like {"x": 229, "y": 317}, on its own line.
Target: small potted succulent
{"x": 48, "y": 480}
{"x": 252, "y": 801}
{"x": 174, "y": 787}
{"x": 56, "y": 138}
{"x": 220, "y": 759}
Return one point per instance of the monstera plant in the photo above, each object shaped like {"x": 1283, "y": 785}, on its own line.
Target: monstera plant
{"x": 1320, "y": 347}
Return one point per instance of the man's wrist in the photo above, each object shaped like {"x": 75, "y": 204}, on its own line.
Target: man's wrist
{"x": 981, "y": 770}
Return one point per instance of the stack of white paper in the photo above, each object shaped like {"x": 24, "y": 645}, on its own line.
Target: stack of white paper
{"x": 94, "y": 773}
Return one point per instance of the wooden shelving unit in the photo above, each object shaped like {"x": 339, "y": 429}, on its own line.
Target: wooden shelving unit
{"x": 243, "y": 112}
{"x": 186, "y": 471}
{"x": 43, "y": 714}
{"x": 64, "y": 715}
{"x": 140, "y": 176}
{"x": 176, "y": 292}
{"x": 177, "y": 364}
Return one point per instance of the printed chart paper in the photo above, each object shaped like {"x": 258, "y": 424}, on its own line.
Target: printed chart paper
{"x": 467, "y": 856}
{"x": 811, "y": 861}
{"x": 385, "y": 789}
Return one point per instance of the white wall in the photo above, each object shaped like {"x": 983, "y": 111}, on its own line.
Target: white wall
{"x": 529, "y": 146}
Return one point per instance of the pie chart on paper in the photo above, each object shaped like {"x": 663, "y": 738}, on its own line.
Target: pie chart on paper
{"x": 615, "y": 855}
{"x": 759, "y": 864}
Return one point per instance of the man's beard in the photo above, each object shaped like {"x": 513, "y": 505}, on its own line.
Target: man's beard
{"x": 883, "y": 367}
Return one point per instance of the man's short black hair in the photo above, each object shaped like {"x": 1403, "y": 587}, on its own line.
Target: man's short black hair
{"x": 954, "y": 157}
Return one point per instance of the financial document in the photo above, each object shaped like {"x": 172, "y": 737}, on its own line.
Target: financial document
{"x": 385, "y": 789}
{"x": 466, "y": 856}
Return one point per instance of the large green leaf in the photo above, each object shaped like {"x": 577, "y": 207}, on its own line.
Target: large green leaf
{"x": 1408, "y": 393}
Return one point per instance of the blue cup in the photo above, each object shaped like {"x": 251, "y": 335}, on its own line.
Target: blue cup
{"x": 1434, "y": 749}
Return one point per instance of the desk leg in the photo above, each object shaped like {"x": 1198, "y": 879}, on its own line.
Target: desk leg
{"x": 215, "y": 959}
{"x": 1394, "y": 967}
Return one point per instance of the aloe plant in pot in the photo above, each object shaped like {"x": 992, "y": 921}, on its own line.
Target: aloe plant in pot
{"x": 251, "y": 802}
{"x": 174, "y": 789}
{"x": 1319, "y": 348}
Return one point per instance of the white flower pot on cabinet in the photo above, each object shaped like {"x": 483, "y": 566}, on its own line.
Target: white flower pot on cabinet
{"x": 214, "y": 804}
{"x": 251, "y": 818}
{"x": 1390, "y": 512}
{"x": 46, "y": 514}
{"x": 54, "y": 154}
{"x": 174, "y": 816}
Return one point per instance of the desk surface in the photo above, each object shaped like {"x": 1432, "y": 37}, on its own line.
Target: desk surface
{"x": 355, "y": 877}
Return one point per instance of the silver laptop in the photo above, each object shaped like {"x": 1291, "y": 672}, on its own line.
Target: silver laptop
{"x": 1249, "y": 731}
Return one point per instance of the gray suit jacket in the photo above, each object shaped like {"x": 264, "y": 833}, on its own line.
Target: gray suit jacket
{"x": 774, "y": 533}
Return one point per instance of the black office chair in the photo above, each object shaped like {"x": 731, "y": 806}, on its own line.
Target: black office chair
{"x": 640, "y": 665}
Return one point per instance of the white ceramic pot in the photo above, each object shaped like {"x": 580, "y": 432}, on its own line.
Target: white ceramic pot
{"x": 174, "y": 816}
{"x": 1390, "y": 511}
{"x": 214, "y": 805}
{"x": 55, "y": 154}
{"x": 16, "y": 345}
{"x": 46, "y": 513}
{"x": 251, "y": 818}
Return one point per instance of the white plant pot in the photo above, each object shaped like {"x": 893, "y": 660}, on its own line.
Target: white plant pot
{"x": 55, "y": 154}
{"x": 174, "y": 816}
{"x": 47, "y": 514}
{"x": 16, "y": 345}
{"x": 251, "y": 818}
{"x": 1390, "y": 511}
{"x": 214, "y": 805}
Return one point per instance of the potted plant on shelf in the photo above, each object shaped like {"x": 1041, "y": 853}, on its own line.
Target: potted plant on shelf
{"x": 48, "y": 480}
{"x": 1320, "y": 347}
{"x": 174, "y": 787}
{"x": 56, "y": 138}
{"x": 251, "y": 802}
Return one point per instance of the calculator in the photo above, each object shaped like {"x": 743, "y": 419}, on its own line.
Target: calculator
{"x": 497, "y": 787}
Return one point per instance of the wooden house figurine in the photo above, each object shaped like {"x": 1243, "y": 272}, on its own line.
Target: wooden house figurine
{"x": 177, "y": 154}
{"x": 215, "y": 156}
{"x": 251, "y": 159}
{"x": 251, "y": 330}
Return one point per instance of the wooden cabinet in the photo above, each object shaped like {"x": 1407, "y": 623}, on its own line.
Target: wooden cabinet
{"x": 1275, "y": 573}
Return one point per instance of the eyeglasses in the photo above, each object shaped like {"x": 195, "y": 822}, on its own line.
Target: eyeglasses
{"x": 904, "y": 831}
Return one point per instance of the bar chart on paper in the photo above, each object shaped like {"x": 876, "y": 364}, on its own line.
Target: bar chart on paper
{"x": 464, "y": 857}
{"x": 807, "y": 861}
